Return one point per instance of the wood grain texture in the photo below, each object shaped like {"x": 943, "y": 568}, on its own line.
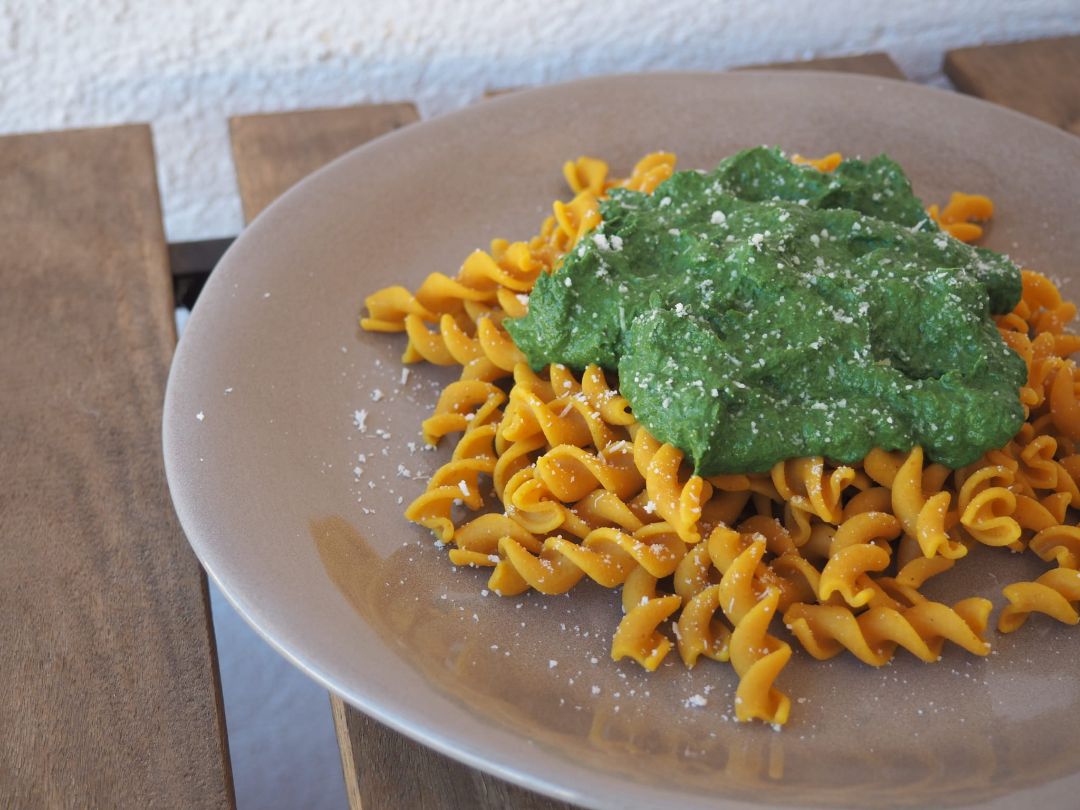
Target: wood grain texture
{"x": 273, "y": 151}
{"x": 383, "y": 770}
{"x": 872, "y": 64}
{"x": 110, "y": 693}
{"x": 387, "y": 771}
{"x": 1040, "y": 77}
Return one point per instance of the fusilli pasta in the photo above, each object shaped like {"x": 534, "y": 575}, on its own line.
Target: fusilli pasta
{"x": 582, "y": 490}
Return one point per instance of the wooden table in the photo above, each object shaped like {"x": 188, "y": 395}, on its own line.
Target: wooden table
{"x": 108, "y": 661}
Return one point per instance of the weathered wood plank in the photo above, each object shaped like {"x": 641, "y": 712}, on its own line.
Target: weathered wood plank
{"x": 872, "y": 64}
{"x": 111, "y": 695}
{"x": 1040, "y": 77}
{"x": 273, "y": 151}
{"x": 387, "y": 771}
{"x": 383, "y": 769}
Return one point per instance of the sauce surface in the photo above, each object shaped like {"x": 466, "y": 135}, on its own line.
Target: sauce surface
{"x": 766, "y": 311}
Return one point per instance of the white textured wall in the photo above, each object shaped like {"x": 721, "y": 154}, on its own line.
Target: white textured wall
{"x": 186, "y": 66}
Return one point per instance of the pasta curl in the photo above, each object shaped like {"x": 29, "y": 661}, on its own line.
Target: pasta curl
{"x": 637, "y": 636}
{"x": 922, "y": 517}
{"x": 680, "y": 503}
{"x": 1055, "y": 594}
{"x": 873, "y": 636}
{"x": 605, "y": 555}
{"x": 757, "y": 656}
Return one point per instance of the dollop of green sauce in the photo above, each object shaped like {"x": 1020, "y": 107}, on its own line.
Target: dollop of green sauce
{"x": 766, "y": 311}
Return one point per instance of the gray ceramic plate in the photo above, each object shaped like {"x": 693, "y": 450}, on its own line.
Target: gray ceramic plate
{"x": 260, "y": 446}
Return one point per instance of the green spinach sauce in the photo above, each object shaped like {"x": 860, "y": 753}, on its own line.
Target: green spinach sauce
{"x": 766, "y": 311}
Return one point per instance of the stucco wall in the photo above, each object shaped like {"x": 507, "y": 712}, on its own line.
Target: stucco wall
{"x": 186, "y": 66}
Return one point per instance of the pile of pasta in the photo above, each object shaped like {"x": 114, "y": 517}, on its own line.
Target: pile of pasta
{"x": 837, "y": 552}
